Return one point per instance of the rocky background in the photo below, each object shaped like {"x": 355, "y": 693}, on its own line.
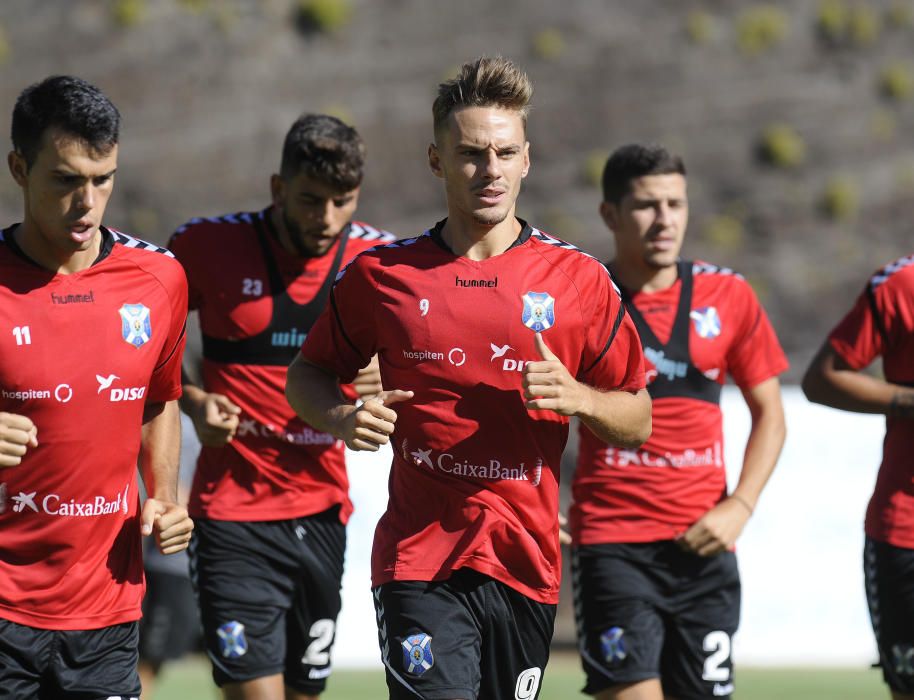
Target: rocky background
{"x": 794, "y": 117}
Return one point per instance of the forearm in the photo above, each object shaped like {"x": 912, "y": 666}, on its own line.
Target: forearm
{"x": 192, "y": 396}
{"x": 314, "y": 394}
{"x": 849, "y": 390}
{"x": 620, "y": 418}
{"x": 160, "y": 449}
{"x": 766, "y": 439}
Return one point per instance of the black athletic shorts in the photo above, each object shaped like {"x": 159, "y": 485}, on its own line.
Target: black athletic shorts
{"x": 652, "y": 610}
{"x": 269, "y": 595}
{"x": 889, "y": 578}
{"x": 170, "y": 627}
{"x": 467, "y": 637}
{"x": 38, "y": 664}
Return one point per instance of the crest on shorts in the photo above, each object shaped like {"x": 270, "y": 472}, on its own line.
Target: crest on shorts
{"x": 136, "y": 328}
{"x": 539, "y": 311}
{"x": 232, "y": 641}
{"x": 417, "y": 654}
{"x": 707, "y": 322}
{"x": 612, "y": 642}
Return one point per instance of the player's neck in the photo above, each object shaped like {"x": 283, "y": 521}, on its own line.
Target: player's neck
{"x": 62, "y": 262}
{"x": 469, "y": 239}
{"x": 635, "y": 276}
{"x": 282, "y": 233}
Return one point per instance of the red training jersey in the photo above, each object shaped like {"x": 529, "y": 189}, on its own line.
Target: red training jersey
{"x": 881, "y": 323}
{"x": 256, "y": 304}
{"x": 659, "y": 490}
{"x": 82, "y": 354}
{"x": 474, "y": 481}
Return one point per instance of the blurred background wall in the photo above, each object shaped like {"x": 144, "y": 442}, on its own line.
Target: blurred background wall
{"x": 794, "y": 116}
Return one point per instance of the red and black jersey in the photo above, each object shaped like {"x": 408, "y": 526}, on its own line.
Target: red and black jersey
{"x": 474, "y": 481}
{"x": 256, "y": 304}
{"x": 82, "y": 354}
{"x": 705, "y": 326}
{"x": 881, "y": 323}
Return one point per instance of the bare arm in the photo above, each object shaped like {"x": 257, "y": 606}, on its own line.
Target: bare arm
{"x": 719, "y": 528}
{"x": 314, "y": 394}
{"x": 160, "y": 448}
{"x": 618, "y": 417}
{"x": 215, "y": 416}
{"x": 832, "y": 382}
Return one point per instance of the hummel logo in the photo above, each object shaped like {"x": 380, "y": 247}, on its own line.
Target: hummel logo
{"x": 23, "y": 500}
{"x": 498, "y": 351}
{"x": 105, "y": 382}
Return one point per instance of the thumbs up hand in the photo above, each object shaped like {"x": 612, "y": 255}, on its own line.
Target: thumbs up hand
{"x": 548, "y": 385}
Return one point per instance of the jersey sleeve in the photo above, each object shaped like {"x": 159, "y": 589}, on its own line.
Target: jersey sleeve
{"x": 857, "y": 338}
{"x": 344, "y": 337}
{"x": 165, "y": 384}
{"x": 755, "y": 355}
{"x": 612, "y": 357}
{"x": 182, "y": 245}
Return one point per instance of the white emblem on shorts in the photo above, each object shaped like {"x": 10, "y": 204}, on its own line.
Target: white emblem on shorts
{"x": 232, "y": 640}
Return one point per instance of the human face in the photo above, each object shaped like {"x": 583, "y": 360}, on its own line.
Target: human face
{"x": 65, "y": 194}
{"x": 482, "y": 156}
{"x": 311, "y": 214}
{"x": 650, "y": 221}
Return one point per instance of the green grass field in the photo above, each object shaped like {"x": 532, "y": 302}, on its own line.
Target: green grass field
{"x": 190, "y": 680}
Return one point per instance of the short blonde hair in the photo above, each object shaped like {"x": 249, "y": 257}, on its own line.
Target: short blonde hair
{"x": 485, "y": 82}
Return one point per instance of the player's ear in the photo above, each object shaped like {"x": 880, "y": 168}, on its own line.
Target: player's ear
{"x": 434, "y": 160}
{"x": 609, "y": 212}
{"x": 277, "y": 189}
{"x": 19, "y": 169}
{"x": 526, "y": 169}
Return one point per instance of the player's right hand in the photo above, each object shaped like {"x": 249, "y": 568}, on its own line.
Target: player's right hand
{"x": 215, "y": 420}
{"x": 17, "y": 434}
{"x": 371, "y": 424}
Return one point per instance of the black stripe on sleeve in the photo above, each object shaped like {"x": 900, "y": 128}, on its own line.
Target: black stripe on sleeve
{"x": 877, "y": 317}
{"x": 173, "y": 349}
{"x": 612, "y": 335}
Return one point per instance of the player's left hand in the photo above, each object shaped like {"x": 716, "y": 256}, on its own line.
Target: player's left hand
{"x": 367, "y": 382}
{"x": 717, "y": 530}
{"x": 170, "y": 523}
{"x": 548, "y": 385}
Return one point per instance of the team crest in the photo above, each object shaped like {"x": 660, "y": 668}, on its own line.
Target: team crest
{"x": 417, "y": 654}
{"x": 707, "y": 322}
{"x": 232, "y": 641}
{"x": 539, "y": 311}
{"x": 613, "y": 644}
{"x": 136, "y": 328}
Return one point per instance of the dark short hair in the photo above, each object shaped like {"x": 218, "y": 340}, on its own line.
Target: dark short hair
{"x": 326, "y": 149}
{"x": 69, "y": 104}
{"x": 632, "y": 161}
{"x": 485, "y": 82}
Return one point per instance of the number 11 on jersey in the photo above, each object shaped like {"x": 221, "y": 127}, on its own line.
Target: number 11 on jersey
{"x": 23, "y": 335}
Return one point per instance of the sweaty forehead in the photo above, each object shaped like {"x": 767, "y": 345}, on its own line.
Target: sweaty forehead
{"x": 63, "y": 151}
{"x": 485, "y": 126}
{"x": 667, "y": 186}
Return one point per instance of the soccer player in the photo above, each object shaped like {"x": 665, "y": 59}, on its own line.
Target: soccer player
{"x": 881, "y": 324}
{"x": 490, "y": 334}
{"x": 657, "y": 590}
{"x": 91, "y": 339}
{"x": 271, "y": 492}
